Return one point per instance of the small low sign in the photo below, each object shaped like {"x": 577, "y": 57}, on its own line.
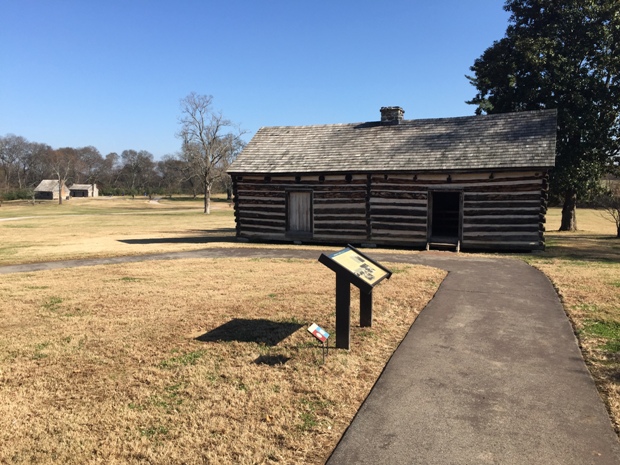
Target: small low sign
{"x": 318, "y": 332}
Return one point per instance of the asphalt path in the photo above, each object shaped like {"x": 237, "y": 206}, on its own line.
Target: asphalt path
{"x": 489, "y": 373}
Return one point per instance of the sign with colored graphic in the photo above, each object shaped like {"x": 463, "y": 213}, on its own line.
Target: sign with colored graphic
{"x": 318, "y": 332}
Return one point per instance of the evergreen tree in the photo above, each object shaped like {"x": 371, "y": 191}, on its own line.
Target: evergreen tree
{"x": 562, "y": 54}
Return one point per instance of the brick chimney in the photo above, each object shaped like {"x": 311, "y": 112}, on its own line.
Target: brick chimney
{"x": 393, "y": 115}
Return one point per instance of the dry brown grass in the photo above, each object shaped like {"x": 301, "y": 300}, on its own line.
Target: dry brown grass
{"x": 105, "y": 227}
{"x": 102, "y": 365}
{"x": 585, "y": 269}
{"x": 595, "y": 238}
{"x": 125, "y": 363}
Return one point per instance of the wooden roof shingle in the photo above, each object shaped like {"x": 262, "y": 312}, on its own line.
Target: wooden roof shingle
{"x": 81, "y": 187}
{"x": 47, "y": 185}
{"x": 500, "y": 141}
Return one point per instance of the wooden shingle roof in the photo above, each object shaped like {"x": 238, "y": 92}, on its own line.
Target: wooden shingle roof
{"x": 81, "y": 187}
{"x": 47, "y": 185}
{"x": 500, "y": 141}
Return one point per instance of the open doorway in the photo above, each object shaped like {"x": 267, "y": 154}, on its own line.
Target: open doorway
{"x": 445, "y": 217}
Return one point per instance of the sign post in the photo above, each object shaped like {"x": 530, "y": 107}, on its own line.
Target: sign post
{"x": 365, "y": 309}
{"x": 343, "y": 310}
{"x": 353, "y": 267}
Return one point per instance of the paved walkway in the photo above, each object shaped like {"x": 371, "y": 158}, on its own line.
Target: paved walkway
{"x": 490, "y": 373}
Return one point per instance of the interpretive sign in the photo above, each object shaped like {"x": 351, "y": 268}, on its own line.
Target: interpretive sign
{"x": 360, "y": 265}
{"x": 364, "y": 272}
{"x": 353, "y": 267}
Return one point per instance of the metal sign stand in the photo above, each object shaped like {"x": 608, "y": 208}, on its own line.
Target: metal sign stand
{"x": 353, "y": 267}
{"x": 343, "y": 311}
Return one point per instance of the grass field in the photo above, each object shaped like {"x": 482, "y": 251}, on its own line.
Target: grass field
{"x": 104, "y": 227}
{"x": 136, "y": 363}
{"x": 183, "y": 361}
{"x": 189, "y": 361}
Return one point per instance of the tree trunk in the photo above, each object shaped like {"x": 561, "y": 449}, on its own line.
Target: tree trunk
{"x": 207, "y": 210}
{"x": 569, "y": 216}
{"x": 59, "y": 191}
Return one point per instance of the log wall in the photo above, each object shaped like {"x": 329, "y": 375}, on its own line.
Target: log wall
{"x": 500, "y": 210}
{"x": 398, "y": 210}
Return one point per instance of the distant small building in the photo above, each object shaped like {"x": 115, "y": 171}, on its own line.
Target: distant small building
{"x": 84, "y": 190}
{"x": 48, "y": 190}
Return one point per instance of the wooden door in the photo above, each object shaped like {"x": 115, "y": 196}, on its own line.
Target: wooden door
{"x": 300, "y": 212}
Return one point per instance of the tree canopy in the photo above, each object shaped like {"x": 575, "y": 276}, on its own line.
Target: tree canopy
{"x": 562, "y": 54}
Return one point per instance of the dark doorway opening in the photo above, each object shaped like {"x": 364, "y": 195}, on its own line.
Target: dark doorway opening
{"x": 446, "y": 216}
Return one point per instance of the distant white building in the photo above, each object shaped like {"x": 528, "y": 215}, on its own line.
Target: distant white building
{"x": 84, "y": 190}
{"x": 48, "y": 190}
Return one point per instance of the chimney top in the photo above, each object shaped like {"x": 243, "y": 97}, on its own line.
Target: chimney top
{"x": 393, "y": 115}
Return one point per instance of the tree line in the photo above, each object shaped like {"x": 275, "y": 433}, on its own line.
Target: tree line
{"x": 209, "y": 143}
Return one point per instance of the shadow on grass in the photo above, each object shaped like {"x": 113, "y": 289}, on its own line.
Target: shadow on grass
{"x": 245, "y": 330}
{"x": 198, "y": 199}
{"x": 221, "y": 235}
{"x": 581, "y": 247}
{"x": 272, "y": 360}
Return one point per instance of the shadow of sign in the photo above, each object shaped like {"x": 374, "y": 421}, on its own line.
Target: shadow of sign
{"x": 245, "y": 330}
{"x": 272, "y": 360}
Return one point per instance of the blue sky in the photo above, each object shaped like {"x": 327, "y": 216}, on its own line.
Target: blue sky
{"x": 110, "y": 73}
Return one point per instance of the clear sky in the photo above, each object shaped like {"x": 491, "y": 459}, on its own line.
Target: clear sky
{"x": 110, "y": 73}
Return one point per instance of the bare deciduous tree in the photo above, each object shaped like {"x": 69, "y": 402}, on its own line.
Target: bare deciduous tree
{"x": 610, "y": 204}
{"x": 209, "y": 140}
{"x": 225, "y": 179}
{"x": 13, "y": 151}
{"x": 62, "y": 162}
{"x": 110, "y": 170}
{"x": 137, "y": 171}
{"x": 171, "y": 171}
{"x": 89, "y": 165}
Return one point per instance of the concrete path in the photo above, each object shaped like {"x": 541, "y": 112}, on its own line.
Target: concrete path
{"x": 490, "y": 372}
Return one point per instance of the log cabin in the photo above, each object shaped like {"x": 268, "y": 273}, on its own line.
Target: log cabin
{"x": 472, "y": 183}
{"x": 84, "y": 190}
{"x": 48, "y": 190}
